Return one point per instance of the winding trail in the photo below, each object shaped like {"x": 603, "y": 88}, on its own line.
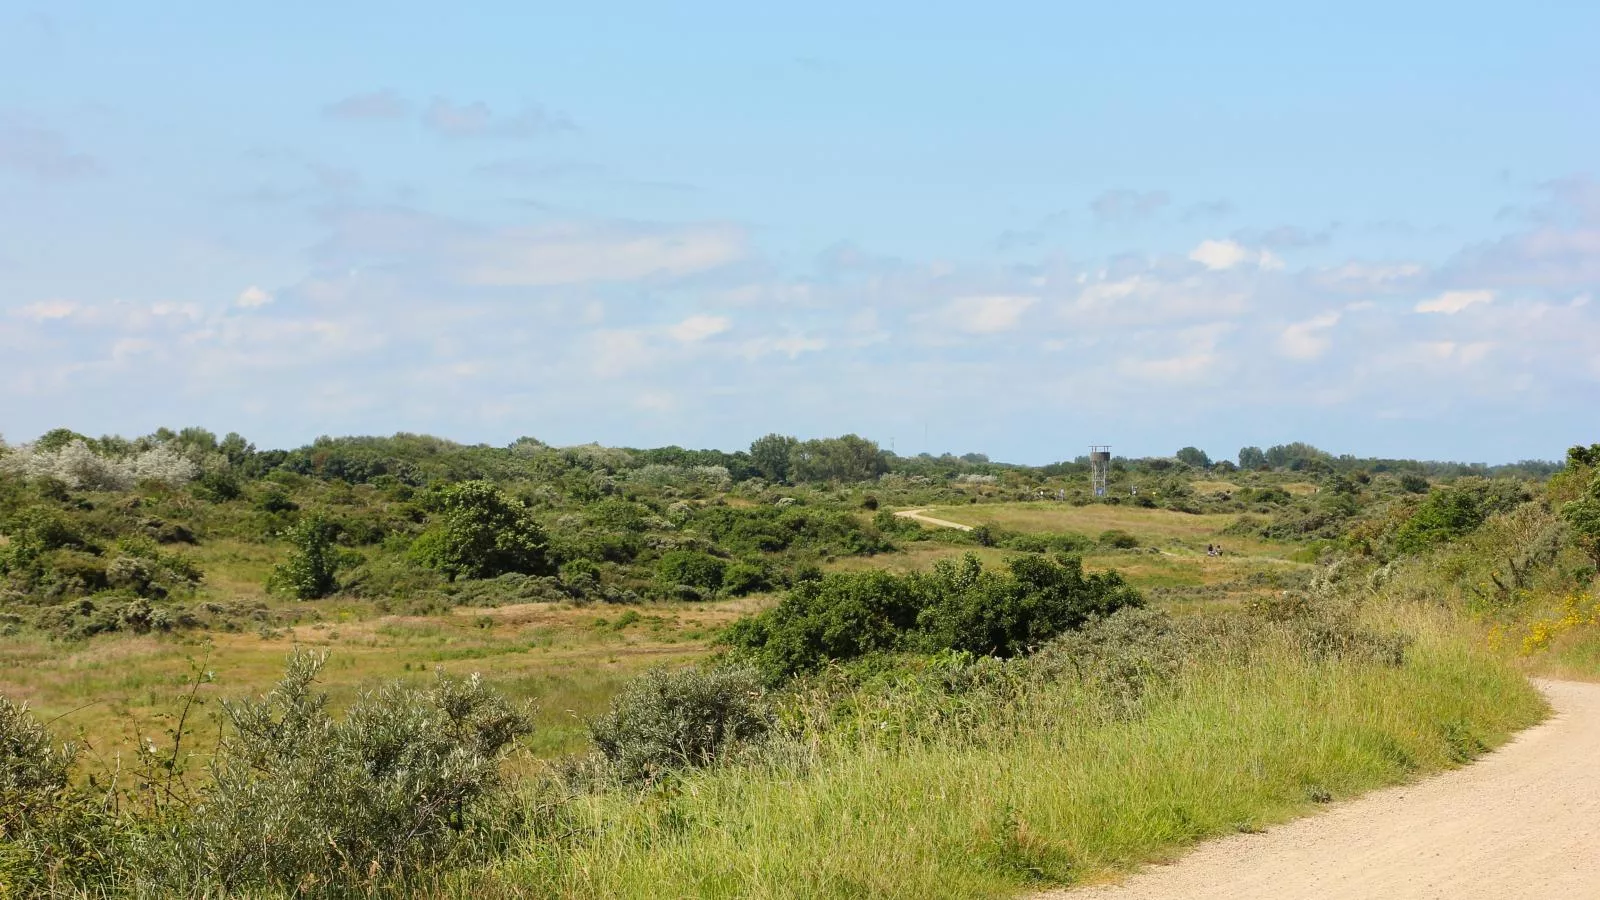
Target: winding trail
{"x": 1523, "y": 822}
{"x": 916, "y": 516}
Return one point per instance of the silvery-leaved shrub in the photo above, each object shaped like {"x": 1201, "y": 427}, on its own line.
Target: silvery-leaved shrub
{"x": 666, "y": 720}
{"x": 308, "y": 802}
{"x": 79, "y": 467}
{"x": 53, "y": 834}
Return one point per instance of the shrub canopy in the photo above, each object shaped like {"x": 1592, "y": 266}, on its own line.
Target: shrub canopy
{"x": 957, "y": 606}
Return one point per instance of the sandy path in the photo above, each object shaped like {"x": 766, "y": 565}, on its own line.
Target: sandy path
{"x": 1522, "y": 822}
{"x": 916, "y": 515}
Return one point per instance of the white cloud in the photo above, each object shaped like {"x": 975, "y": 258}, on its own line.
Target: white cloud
{"x": 1307, "y": 340}
{"x": 1169, "y": 369}
{"x": 1452, "y": 302}
{"x": 698, "y": 328}
{"x": 1219, "y": 255}
{"x": 573, "y": 254}
{"x": 46, "y": 310}
{"x": 986, "y": 315}
{"x": 252, "y": 297}
{"x": 1367, "y": 276}
{"x": 791, "y": 346}
{"x": 1466, "y": 354}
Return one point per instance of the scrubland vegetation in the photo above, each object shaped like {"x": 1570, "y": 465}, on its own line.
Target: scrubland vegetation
{"x": 234, "y": 672}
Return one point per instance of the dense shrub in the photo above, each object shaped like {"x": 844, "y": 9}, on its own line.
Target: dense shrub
{"x": 301, "y": 798}
{"x": 78, "y": 466}
{"x": 1007, "y": 613}
{"x": 52, "y": 833}
{"x": 1120, "y": 655}
{"x": 776, "y": 529}
{"x": 1324, "y": 621}
{"x": 692, "y": 568}
{"x": 482, "y": 532}
{"x": 957, "y": 606}
{"x": 665, "y": 720}
{"x": 1450, "y": 512}
{"x": 1582, "y": 514}
{"x": 743, "y": 578}
{"x": 1117, "y": 539}
{"x": 311, "y": 570}
{"x": 32, "y": 767}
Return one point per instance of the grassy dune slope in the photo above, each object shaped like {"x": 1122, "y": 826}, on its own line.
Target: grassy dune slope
{"x": 1068, "y": 798}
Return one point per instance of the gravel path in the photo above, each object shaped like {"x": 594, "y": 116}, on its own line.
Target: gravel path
{"x": 1522, "y": 822}
{"x": 916, "y": 515}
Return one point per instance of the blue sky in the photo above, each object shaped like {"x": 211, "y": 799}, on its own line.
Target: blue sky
{"x": 1009, "y": 227}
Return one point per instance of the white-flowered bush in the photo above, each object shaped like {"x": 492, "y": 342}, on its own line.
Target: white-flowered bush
{"x": 78, "y": 467}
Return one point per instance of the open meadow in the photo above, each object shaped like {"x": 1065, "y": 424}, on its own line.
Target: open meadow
{"x": 590, "y": 672}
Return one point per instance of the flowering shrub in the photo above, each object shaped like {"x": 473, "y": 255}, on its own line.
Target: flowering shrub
{"x": 78, "y": 467}
{"x": 1576, "y": 611}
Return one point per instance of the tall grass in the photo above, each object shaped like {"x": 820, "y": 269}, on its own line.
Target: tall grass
{"x": 1062, "y": 792}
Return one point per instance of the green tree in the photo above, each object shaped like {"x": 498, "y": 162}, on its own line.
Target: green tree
{"x": 482, "y": 532}
{"x": 1583, "y": 512}
{"x": 1453, "y": 511}
{"x": 1296, "y": 455}
{"x": 1251, "y": 458}
{"x": 847, "y": 458}
{"x": 1194, "y": 457}
{"x": 311, "y": 571}
{"x": 693, "y": 568}
{"x": 771, "y": 456}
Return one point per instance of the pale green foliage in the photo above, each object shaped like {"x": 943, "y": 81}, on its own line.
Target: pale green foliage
{"x": 31, "y": 764}
{"x": 302, "y": 798}
{"x": 666, "y": 720}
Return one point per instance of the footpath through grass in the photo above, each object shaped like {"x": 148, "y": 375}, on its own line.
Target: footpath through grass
{"x": 1070, "y": 796}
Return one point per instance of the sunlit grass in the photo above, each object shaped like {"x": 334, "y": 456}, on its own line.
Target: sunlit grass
{"x": 569, "y": 661}
{"x": 1068, "y": 798}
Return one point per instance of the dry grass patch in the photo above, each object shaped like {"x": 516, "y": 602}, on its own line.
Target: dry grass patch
{"x": 119, "y": 689}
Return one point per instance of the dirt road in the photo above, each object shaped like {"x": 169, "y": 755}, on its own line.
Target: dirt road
{"x": 917, "y": 516}
{"x": 1523, "y": 822}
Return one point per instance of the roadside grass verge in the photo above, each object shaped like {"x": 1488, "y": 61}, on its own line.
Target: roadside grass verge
{"x": 1073, "y": 794}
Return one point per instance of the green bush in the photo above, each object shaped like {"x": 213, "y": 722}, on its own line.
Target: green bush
{"x": 666, "y": 720}
{"x": 957, "y": 606}
{"x": 692, "y": 568}
{"x": 1120, "y": 655}
{"x": 838, "y": 616}
{"x": 33, "y": 769}
{"x": 1117, "y": 539}
{"x": 1047, "y": 543}
{"x": 311, "y": 571}
{"x": 1451, "y": 512}
{"x": 743, "y": 578}
{"x": 52, "y": 833}
{"x": 995, "y": 613}
{"x": 301, "y": 798}
{"x": 1582, "y": 516}
{"x": 482, "y": 532}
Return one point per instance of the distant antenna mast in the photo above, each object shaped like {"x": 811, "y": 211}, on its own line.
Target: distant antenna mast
{"x": 1099, "y": 467}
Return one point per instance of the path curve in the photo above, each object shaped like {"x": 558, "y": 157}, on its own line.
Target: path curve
{"x": 1523, "y": 822}
{"x": 916, "y": 516}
